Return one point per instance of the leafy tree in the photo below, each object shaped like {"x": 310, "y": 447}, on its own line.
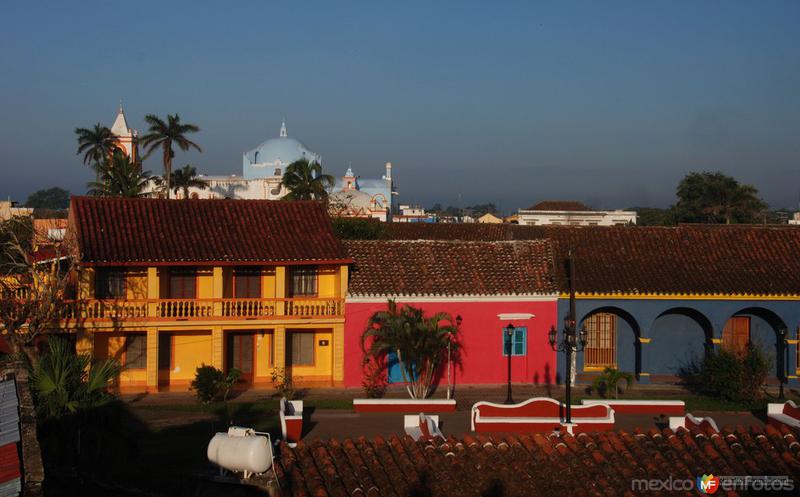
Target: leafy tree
{"x": 420, "y": 343}
{"x": 186, "y": 178}
{"x": 120, "y": 177}
{"x": 653, "y": 216}
{"x": 716, "y": 198}
{"x": 353, "y": 228}
{"x": 64, "y": 382}
{"x": 96, "y": 144}
{"x": 305, "y": 181}
{"x": 210, "y": 383}
{"x": 609, "y": 380}
{"x": 51, "y": 198}
{"x": 729, "y": 375}
{"x": 166, "y": 134}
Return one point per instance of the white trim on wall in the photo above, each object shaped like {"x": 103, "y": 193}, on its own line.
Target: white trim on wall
{"x": 515, "y": 316}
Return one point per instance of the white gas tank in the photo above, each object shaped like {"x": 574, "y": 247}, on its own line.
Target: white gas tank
{"x": 240, "y": 450}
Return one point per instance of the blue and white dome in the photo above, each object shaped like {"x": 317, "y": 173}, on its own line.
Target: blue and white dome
{"x": 271, "y": 157}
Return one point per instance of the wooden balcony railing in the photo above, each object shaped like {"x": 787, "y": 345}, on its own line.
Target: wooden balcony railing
{"x": 202, "y": 309}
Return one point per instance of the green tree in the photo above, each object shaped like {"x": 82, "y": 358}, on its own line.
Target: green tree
{"x": 185, "y": 178}
{"x": 166, "y": 134}
{"x": 420, "y": 343}
{"x": 716, "y": 198}
{"x": 354, "y": 228}
{"x": 120, "y": 177}
{"x": 64, "y": 382}
{"x": 305, "y": 181}
{"x": 653, "y": 216}
{"x": 52, "y": 198}
{"x": 96, "y": 144}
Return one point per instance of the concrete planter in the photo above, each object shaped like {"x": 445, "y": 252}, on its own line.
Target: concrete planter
{"x": 404, "y": 405}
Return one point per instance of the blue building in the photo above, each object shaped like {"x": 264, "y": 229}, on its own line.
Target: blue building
{"x": 271, "y": 157}
{"x": 354, "y": 196}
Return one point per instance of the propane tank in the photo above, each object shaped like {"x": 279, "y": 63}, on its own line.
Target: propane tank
{"x": 241, "y": 449}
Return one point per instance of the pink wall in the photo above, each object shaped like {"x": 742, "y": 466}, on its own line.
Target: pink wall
{"x": 483, "y": 361}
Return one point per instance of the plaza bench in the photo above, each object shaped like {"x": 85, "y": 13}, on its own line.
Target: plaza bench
{"x": 291, "y": 413}
{"x": 787, "y": 414}
{"x": 422, "y": 427}
{"x": 660, "y": 407}
{"x": 689, "y": 421}
{"x": 539, "y": 415}
{"x": 404, "y": 405}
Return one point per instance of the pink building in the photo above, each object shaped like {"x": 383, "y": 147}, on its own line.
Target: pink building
{"x": 489, "y": 284}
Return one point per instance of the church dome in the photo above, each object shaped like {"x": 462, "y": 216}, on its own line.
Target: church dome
{"x": 271, "y": 157}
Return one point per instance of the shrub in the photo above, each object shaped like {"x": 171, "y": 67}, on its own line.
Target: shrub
{"x": 728, "y": 375}
{"x": 374, "y": 382}
{"x": 609, "y": 381}
{"x": 206, "y": 382}
{"x": 353, "y": 228}
{"x": 284, "y": 386}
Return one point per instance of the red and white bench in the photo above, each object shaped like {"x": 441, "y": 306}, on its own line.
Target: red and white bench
{"x": 689, "y": 421}
{"x": 665, "y": 407}
{"x": 291, "y": 420}
{"x": 784, "y": 414}
{"x": 539, "y": 415}
{"x": 404, "y": 405}
{"x": 422, "y": 427}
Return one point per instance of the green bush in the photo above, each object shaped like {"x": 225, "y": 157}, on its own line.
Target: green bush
{"x": 608, "y": 382}
{"x": 210, "y": 383}
{"x": 728, "y": 375}
{"x": 353, "y": 228}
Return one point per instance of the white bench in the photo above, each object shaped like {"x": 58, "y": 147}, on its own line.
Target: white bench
{"x": 539, "y": 415}
{"x": 422, "y": 427}
{"x": 784, "y": 414}
{"x": 628, "y": 406}
{"x": 291, "y": 420}
{"x": 689, "y": 421}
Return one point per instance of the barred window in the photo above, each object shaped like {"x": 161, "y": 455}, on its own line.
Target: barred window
{"x": 135, "y": 352}
{"x": 302, "y": 349}
{"x": 601, "y": 340}
{"x": 110, "y": 283}
{"x": 304, "y": 281}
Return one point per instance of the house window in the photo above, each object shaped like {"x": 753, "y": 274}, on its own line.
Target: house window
{"x": 304, "y": 281}
{"x": 183, "y": 283}
{"x": 601, "y": 341}
{"x": 135, "y": 352}
{"x": 247, "y": 283}
{"x": 519, "y": 342}
{"x": 110, "y": 283}
{"x": 302, "y": 349}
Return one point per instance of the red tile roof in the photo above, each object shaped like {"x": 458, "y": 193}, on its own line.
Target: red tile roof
{"x": 394, "y": 268}
{"x": 688, "y": 259}
{"x": 559, "y": 205}
{"x": 112, "y": 231}
{"x": 532, "y": 465}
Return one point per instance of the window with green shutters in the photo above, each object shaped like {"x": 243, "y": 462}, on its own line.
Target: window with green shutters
{"x": 519, "y": 342}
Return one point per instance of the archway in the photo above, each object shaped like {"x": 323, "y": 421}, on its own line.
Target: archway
{"x": 612, "y": 340}
{"x": 678, "y": 336}
{"x": 757, "y": 327}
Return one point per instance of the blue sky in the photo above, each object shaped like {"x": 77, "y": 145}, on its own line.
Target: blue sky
{"x": 610, "y": 103}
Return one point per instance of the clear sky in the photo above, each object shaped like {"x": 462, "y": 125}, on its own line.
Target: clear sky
{"x": 610, "y": 103}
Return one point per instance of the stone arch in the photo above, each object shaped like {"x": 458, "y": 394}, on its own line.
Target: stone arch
{"x": 627, "y": 333}
{"x": 677, "y": 336}
{"x": 764, "y": 327}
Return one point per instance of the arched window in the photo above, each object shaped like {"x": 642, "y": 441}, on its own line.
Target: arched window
{"x": 255, "y": 157}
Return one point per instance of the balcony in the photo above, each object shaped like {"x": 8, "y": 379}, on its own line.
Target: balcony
{"x": 202, "y": 309}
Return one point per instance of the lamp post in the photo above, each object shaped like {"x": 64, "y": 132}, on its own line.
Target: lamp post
{"x": 782, "y": 341}
{"x": 571, "y": 342}
{"x": 509, "y": 347}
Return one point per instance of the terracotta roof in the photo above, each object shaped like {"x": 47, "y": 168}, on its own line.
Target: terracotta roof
{"x": 559, "y": 205}
{"x": 394, "y": 268}
{"x": 532, "y": 465}
{"x": 159, "y": 231}
{"x": 688, "y": 259}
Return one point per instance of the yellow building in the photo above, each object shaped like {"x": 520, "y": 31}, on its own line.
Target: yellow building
{"x": 165, "y": 286}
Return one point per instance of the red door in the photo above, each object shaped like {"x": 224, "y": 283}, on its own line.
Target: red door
{"x": 241, "y": 353}
{"x": 736, "y": 334}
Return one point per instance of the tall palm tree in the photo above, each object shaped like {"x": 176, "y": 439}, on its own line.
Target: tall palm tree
{"x": 305, "y": 181}
{"x": 186, "y": 178}
{"x": 96, "y": 144}
{"x": 420, "y": 342}
{"x": 165, "y": 134}
{"x": 120, "y": 177}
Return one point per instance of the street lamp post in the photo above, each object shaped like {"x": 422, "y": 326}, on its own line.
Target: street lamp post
{"x": 782, "y": 341}
{"x": 449, "y": 341}
{"x": 509, "y": 347}
{"x": 571, "y": 342}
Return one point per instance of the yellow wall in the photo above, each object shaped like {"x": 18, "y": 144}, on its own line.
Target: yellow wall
{"x": 190, "y": 349}
{"x": 323, "y": 356}
{"x": 205, "y": 283}
{"x": 263, "y": 355}
{"x": 112, "y": 346}
{"x": 328, "y": 281}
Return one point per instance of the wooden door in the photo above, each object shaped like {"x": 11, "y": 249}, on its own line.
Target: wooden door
{"x": 736, "y": 334}
{"x": 241, "y": 353}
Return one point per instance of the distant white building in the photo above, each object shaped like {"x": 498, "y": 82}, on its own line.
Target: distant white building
{"x": 795, "y": 218}
{"x": 570, "y": 213}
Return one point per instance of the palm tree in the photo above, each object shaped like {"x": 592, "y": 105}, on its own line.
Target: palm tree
{"x": 305, "y": 181}
{"x": 96, "y": 144}
{"x": 64, "y": 382}
{"x": 165, "y": 135}
{"x": 119, "y": 177}
{"x": 186, "y": 178}
{"x": 420, "y": 343}
{"x": 609, "y": 381}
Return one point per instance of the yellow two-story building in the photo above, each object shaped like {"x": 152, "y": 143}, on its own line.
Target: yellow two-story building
{"x": 165, "y": 286}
